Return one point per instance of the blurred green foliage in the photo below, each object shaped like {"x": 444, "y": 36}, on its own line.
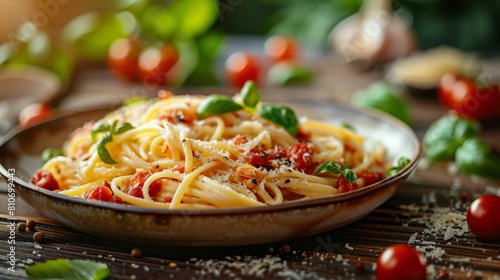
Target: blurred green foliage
{"x": 186, "y": 23}
{"x": 467, "y": 25}
{"x": 31, "y": 46}
{"x": 464, "y": 24}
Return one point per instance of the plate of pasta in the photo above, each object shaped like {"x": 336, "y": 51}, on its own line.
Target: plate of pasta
{"x": 210, "y": 170}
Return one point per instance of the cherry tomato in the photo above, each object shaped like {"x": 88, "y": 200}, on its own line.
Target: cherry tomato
{"x": 301, "y": 154}
{"x": 281, "y": 48}
{"x": 35, "y": 113}
{"x": 156, "y": 62}
{"x": 137, "y": 182}
{"x": 370, "y": 177}
{"x": 44, "y": 179}
{"x": 98, "y": 193}
{"x": 242, "y": 67}
{"x": 344, "y": 186}
{"x": 259, "y": 156}
{"x": 401, "y": 262}
{"x": 122, "y": 58}
{"x": 483, "y": 217}
{"x": 468, "y": 99}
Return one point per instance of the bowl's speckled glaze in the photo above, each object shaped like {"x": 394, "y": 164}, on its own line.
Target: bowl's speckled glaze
{"x": 21, "y": 149}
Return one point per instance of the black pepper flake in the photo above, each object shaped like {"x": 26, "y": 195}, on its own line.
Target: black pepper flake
{"x": 31, "y": 224}
{"x": 136, "y": 253}
{"x": 225, "y": 157}
{"x": 180, "y": 118}
{"x": 254, "y": 181}
{"x": 286, "y": 248}
{"x": 263, "y": 154}
{"x": 21, "y": 226}
{"x": 39, "y": 237}
{"x": 287, "y": 181}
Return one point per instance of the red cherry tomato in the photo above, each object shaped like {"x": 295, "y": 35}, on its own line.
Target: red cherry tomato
{"x": 98, "y": 193}
{"x": 468, "y": 99}
{"x": 344, "y": 186}
{"x": 301, "y": 154}
{"x": 35, "y": 113}
{"x": 401, "y": 262}
{"x": 44, "y": 179}
{"x": 242, "y": 67}
{"x": 137, "y": 182}
{"x": 156, "y": 62}
{"x": 370, "y": 177}
{"x": 122, "y": 58}
{"x": 281, "y": 48}
{"x": 483, "y": 217}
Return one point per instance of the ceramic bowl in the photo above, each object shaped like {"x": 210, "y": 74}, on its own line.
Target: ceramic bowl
{"x": 223, "y": 227}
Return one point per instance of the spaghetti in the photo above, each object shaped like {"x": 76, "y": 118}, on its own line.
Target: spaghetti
{"x": 160, "y": 154}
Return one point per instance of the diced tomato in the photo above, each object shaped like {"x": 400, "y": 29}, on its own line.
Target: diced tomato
{"x": 44, "y": 179}
{"x": 137, "y": 182}
{"x": 116, "y": 199}
{"x": 99, "y": 193}
{"x": 260, "y": 157}
{"x": 371, "y": 177}
{"x": 301, "y": 154}
{"x": 344, "y": 186}
{"x": 179, "y": 168}
{"x": 240, "y": 139}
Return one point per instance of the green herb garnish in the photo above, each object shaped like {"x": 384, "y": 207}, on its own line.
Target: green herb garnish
{"x": 102, "y": 126}
{"x": 402, "y": 163}
{"x": 216, "y": 104}
{"x": 68, "y": 269}
{"x": 280, "y": 115}
{"x": 335, "y": 168}
{"x": 101, "y": 148}
{"x": 446, "y": 135}
{"x": 474, "y": 158}
{"x": 250, "y": 95}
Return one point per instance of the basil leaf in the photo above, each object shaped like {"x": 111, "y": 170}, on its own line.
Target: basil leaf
{"x": 121, "y": 128}
{"x": 51, "y": 153}
{"x": 280, "y": 115}
{"x": 402, "y": 163}
{"x": 100, "y": 126}
{"x": 329, "y": 167}
{"x": 282, "y": 74}
{"x": 383, "y": 97}
{"x": 216, "y": 105}
{"x": 101, "y": 148}
{"x": 474, "y": 157}
{"x": 349, "y": 175}
{"x": 250, "y": 94}
{"x": 446, "y": 135}
{"x": 68, "y": 269}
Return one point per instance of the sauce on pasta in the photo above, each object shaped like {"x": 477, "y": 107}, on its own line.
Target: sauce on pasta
{"x": 158, "y": 153}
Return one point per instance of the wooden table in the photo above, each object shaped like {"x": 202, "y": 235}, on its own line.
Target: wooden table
{"x": 429, "y": 197}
